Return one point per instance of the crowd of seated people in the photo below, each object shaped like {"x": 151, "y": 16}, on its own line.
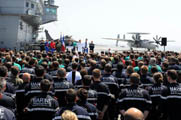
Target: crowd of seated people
{"x": 38, "y": 85}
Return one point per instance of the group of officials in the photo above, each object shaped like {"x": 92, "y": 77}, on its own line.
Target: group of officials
{"x": 51, "y": 46}
{"x": 106, "y": 86}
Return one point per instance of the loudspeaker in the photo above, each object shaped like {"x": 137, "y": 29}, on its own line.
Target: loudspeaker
{"x": 164, "y": 42}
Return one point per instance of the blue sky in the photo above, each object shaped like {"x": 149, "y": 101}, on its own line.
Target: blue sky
{"x": 95, "y": 19}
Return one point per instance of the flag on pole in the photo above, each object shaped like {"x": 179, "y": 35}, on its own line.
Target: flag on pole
{"x": 63, "y": 43}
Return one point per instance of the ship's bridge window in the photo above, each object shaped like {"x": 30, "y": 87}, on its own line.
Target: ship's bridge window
{"x": 51, "y": 10}
{"x": 27, "y": 4}
{"x": 21, "y": 25}
{"x": 32, "y": 5}
{"x": 47, "y": 9}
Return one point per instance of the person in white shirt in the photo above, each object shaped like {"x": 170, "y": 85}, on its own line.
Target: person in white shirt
{"x": 74, "y": 75}
{"x": 80, "y": 46}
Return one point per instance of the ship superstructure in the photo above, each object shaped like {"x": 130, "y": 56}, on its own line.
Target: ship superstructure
{"x": 20, "y": 21}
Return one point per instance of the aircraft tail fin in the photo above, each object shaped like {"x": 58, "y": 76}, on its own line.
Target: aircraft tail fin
{"x": 48, "y": 37}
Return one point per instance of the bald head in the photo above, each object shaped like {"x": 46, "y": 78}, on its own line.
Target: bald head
{"x": 133, "y": 114}
{"x": 26, "y": 77}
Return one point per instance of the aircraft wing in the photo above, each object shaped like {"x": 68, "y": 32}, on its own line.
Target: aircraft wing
{"x": 151, "y": 41}
{"x": 170, "y": 40}
{"x": 138, "y": 33}
{"x": 124, "y": 40}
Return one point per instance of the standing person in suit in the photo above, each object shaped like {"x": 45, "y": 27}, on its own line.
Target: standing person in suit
{"x": 91, "y": 46}
{"x": 47, "y": 46}
{"x": 42, "y": 46}
{"x": 86, "y": 46}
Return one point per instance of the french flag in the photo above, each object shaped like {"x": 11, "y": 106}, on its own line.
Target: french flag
{"x": 63, "y": 43}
